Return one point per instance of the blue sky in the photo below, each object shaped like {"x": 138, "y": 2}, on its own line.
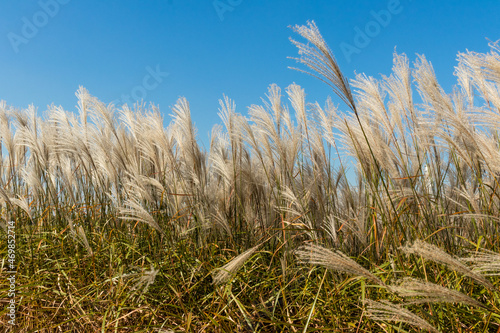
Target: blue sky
{"x": 48, "y": 48}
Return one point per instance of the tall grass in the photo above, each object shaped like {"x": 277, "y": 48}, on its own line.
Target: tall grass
{"x": 152, "y": 215}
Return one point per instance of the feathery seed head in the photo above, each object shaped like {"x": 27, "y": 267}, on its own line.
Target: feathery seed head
{"x": 336, "y": 261}
{"x": 387, "y": 311}
{"x": 433, "y": 253}
{"x": 225, "y": 273}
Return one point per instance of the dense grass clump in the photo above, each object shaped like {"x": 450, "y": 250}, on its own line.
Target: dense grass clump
{"x": 298, "y": 218}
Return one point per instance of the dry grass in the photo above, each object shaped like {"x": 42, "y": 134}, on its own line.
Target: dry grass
{"x": 150, "y": 214}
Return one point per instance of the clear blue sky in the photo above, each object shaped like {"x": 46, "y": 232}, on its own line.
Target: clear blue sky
{"x": 49, "y": 48}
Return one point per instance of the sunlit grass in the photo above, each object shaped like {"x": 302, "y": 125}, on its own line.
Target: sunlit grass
{"x": 123, "y": 225}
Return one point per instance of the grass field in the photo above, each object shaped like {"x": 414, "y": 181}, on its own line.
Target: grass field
{"x": 378, "y": 215}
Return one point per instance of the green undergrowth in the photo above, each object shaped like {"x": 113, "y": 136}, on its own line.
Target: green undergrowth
{"x": 61, "y": 287}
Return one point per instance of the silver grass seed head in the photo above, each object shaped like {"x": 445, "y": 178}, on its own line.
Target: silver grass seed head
{"x": 387, "y": 311}
{"x": 225, "y": 273}
{"x": 485, "y": 262}
{"x": 336, "y": 261}
{"x": 433, "y": 253}
{"x": 322, "y": 62}
{"x": 145, "y": 279}
{"x": 427, "y": 292}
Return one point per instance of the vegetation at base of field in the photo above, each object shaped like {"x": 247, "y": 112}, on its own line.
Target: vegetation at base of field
{"x": 299, "y": 217}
